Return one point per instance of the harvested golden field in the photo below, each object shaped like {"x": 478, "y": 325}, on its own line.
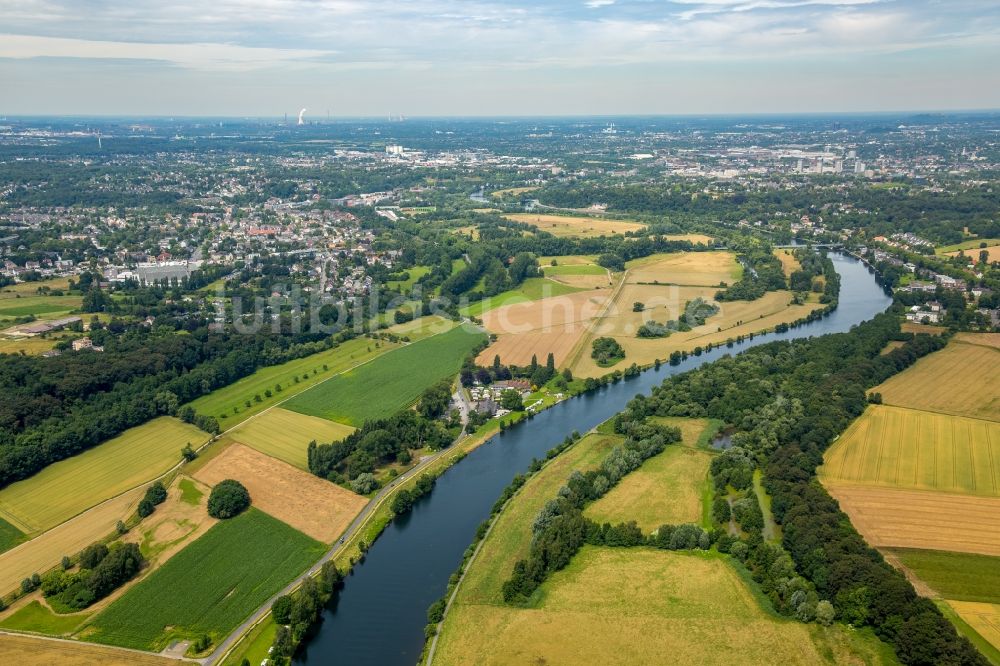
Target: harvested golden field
{"x": 692, "y": 238}
{"x": 985, "y": 339}
{"x": 576, "y": 226}
{"x": 891, "y": 345}
{"x": 696, "y": 269}
{"x": 908, "y": 448}
{"x": 311, "y": 505}
{"x": 538, "y": 327}
{"x": 962, "y": 379}
{"x": 70, "y": 486}
{"x": 642, "y": 606}
{"x": 973, "y": 253}
{"x": 788, "y": 261}
{"x": 932, "y": 520}
{"x": 911, "y": 327}
{"x": 44, "y": 551}
{"x": 285, "y": 434}
{"x": 984, "y": 618}
{"x": 665, "y": 302}
{"x": 668, "y": 488}
{"x": 36, "y": 651}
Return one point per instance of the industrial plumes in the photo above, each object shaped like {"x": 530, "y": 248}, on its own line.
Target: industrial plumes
{"x": 301, "y": 113}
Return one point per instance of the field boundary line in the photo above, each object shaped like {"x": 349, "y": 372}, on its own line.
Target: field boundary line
{"x": 72, "y": 641}
{"x": 581, "y": 345}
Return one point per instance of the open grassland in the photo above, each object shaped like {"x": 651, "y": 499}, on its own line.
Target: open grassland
{"x": 34, "y": 651}
{"x": 532, "y": 289}
{"x": 971, "y": 246}
{"x": 668, "y": 488}
{"x": 513, "y": 191}
{"x": 228, "y": 404}
{"x": 891, "y": 345}
{"x": 704, "y": 239}
{"x": 210, "y": 586}
{"x": 576, "y": 226}
{"x": 312, "y": 505}
{"x": 697, "y": 269}
{"x": 550, "y": 325}
{"x": 44, "y": 551}
{"x": 415, "y": 274}
{"x": 179, "y": 520}
{"x": 510, "y": 537}
{"x": 422, "y": 327}
{"x": 908, "y": 448}
{"x": 389, "y": 383}
{"x": 68, "y": 487}
{"x": 915, "y": 328}
{"x": 581, "y": 276}
{"x": 788, "y": 261}
{"x": 31, "y": 288}
{"x": 38, "y": 305}
{"x": 962, "y": 379}
{"x": 286, "y": 435}
{"x": 37, "y": 619}
{"x": 643, "y": 606}
{"x": 959, "y": 576}
{"x": 33, "y": 345}
{"x": 932, "y": 520}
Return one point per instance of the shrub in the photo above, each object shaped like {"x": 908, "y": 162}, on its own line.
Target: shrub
{"x": 228, "y": 498}
{"x": 92, "y": 555}
{"x": 364, "y": 483}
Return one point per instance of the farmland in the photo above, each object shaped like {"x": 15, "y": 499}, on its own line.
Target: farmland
{"x": 511, "y": 535}
{"x": 182, "y": 518}
{"x": 960, "y": 576}
{"x": 893, "y": 518}
{"x": 642, "y": 606}
{"x": 228, "y": 404}
{"x": 311, "y": 505}
{"x": 907, "y": 448}
{"x": 45, "y": 550}
{"x": 992, "y": 253}
{"x": 532, "y": 289}
{"x": 576, "y": 226}
{"x": 693, "y": 269}
{"x": 668, "y": 488}
{"x": 550, "y": 325}
{"x": 37, "y": 305}
{"x": 66, "y": 488}
{"x": 581, "y": 276}
{"x": 38, "y": 619}
{"x": 213, "y": 584}
{"x": 971, "y": 246}
{"x": 10, "y": 536}
{"x": 984, "y": 619}
{"x": 963, "y": 379}
{"x": 286, "y": 435}
{"x": 788, "y": 261}
{"x": 31, "y": 651}
{"x": 389, "y": 383}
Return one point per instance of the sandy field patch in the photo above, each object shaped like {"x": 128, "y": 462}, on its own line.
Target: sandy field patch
{"x": 34, "y": 651}
{"x": 311, "y": 505}
{"x": 179, "y": 520}
{"x": 699, "y": 269}
{"x": 973, "y": 253}
{"x": 788, "y": 261}
{"x": 691, "y": 238}
{"x": 46, "y": 550}
{"x": 911, "y": 327}
{"x": 962, "y": 379}
{"x": 889, "y": 517}
{"x": 577, "y": 226}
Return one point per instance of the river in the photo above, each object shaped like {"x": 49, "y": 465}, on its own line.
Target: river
{"x": 380, "y": 614}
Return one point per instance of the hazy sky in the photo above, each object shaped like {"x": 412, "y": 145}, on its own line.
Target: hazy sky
{"x": 499, "y": 57}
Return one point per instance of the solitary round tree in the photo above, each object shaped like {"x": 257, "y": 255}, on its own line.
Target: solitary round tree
{"x": 227, "y": 499}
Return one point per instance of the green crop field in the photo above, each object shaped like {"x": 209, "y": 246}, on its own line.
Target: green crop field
{"x": 68, "y": 487}
{"x": 389, "y": 383}
{"x": 972, "y": 244}
{"x": 907, "y": 448}
{"x": 574, "y": 269}
{"x": 228, "y": 404}
{"x": 40, "y": 620}
{"x": 959, "y": 576}
{"x": 37, "y": 305}
{"x": 210, "y": 586}
{"x": 10, "y": 536}
{"x": 416, "y": 273}
{"x": 285, "y": 435}
{"x": 532, "y": 289}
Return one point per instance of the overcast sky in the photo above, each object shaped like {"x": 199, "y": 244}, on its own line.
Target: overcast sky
{"x": 499, "y": 57}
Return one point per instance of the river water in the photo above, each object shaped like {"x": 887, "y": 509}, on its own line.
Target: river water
{"x": 380, "y": 614}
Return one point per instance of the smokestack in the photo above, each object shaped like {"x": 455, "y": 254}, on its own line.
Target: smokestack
{"x": 301, "y": 113}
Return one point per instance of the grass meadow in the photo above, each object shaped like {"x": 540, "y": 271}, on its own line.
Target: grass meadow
{"x": 959, "y": 576}
{"x": 532, "y": 289}
{"x": 38, "y": 619}
{"x": 643, "y": 606}
{"x": 389, "y": 383}
{"x": 10, "y": 536}
{"x": 210, "y": 586}
{"x": 71, "y": 486}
